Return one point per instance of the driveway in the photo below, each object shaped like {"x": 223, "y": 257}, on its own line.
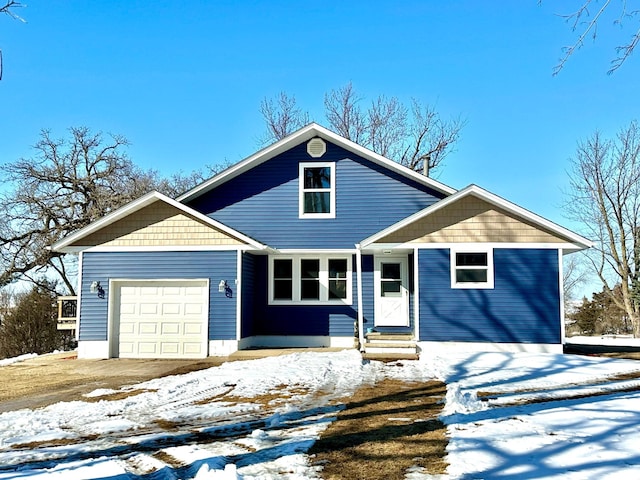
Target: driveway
{"x": 61, "y": 377}
{"x": 47, "y": 379}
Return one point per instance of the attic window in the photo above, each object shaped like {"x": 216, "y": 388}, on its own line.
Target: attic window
{"x": 316, "y": 147}
{"x": 317, "y": 190}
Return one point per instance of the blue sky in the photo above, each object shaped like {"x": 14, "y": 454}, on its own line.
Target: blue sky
{"x": 183, "y": 81}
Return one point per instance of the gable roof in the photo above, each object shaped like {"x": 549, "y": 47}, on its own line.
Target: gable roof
{"x": 66, "y": 244}
{"x": 307, "y": 133}
{"x": 578, "y": 241}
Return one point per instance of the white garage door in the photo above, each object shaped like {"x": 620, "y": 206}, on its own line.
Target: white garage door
{"x": 162, "y": 319}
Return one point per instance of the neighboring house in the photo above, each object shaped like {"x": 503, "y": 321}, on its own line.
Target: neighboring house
{"x": 317, "y": 241}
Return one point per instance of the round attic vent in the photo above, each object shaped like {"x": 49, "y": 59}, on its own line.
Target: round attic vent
{"x": 316, "y": 147}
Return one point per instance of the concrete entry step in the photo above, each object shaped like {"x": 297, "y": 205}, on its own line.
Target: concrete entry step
{"x": 390, "y": 346}
{"x": 388, "y": 357}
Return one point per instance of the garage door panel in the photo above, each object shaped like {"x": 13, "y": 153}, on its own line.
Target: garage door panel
{"x": 127, "y": 328}
{"x": 192, "y": 328}
{"x": 127, "y": 291}
{"x": 193, "y": 308}
{"x": 170, "y": 348}
{"x": 167, "y": 319}
{"x": 171, "y": 309}
{"x": 148, "y": 328}
{"x": 192, "y": 291}
{"x": 171, "y": 291}
{"x": 148, "y": 309}
{"x": 193, "y": 349}
{"x": 147, "y": 348}
{"x": 127, "y": 309}
{"x": 170, "y": 328}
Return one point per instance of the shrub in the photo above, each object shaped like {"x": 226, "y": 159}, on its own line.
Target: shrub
{"x": 30, "y": 326}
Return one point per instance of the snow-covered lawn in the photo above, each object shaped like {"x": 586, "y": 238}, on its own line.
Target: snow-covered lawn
{"x": 509, "y": 416}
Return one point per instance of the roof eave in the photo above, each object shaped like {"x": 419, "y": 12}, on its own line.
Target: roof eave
{"x": 306, "y": 133}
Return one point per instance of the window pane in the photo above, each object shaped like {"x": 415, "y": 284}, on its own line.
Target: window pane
{"x": 310, "y": 268}
{"x": 282, "y": 289}
{"x": 338, "y": 268}
{"x": 471, "y": 259}
{"x": 337, "y": 289}
{"x": 317, "y": 202}
{"x": 282, "y": 268}
{"x": 391, "y": 271}
{"x": 317, "y": 177}
{"x": 391, "y": 288}
{"x": 464, "y": 275}
{"x": 310, "y": 290}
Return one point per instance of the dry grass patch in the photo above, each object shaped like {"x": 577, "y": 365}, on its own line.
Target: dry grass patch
{"x": 168, "y": 425}
{"x": 384, "y": 430}
{"x": 121, "y": 395}
{"x": 60, "y": 442}
{"x": 280, "y": 394}
{"x": 169, "y": 459}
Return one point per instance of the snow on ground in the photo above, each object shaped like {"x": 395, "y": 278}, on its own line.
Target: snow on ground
{"x": 608, "y": 340}
{"x": 508, "y": 416}
{"x": 21, "y": 358}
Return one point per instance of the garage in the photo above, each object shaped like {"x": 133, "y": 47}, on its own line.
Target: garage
{"x": 160, "y": 319}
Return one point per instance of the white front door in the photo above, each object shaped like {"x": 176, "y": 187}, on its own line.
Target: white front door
{"x": 391, "y": 292}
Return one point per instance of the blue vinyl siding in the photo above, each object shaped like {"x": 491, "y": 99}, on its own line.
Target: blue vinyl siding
{"x": 248, "y": 294}
{"x": 263, "y": 202}
{"x": 103, "y": 266}
{"x": 523, "y": 306}
{"x": 368, "y": 296}
{"x": 320, "y": 320}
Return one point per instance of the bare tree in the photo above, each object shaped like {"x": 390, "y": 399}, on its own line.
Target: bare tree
{"x": 386, "y": 126}
{"x": 430, "y": 139}
{"x": 574, "y": 275}
{"x": 282, "y": 117}
{"x": 604, "y": 196}
{"x": 66, "y": 185}
{"x": 8, "y": 7}
{"x": 343, "y": 113}
{"x": 586, "y": 21}
{"x": 416, "y": 137}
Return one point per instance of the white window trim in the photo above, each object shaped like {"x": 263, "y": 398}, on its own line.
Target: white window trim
{"x": 324, "y": 280}
{"x": 489, "y": 284}
{"x": 331, "y": 190}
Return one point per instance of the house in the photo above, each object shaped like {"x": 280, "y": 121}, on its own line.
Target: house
{"x": 317, "y": 241}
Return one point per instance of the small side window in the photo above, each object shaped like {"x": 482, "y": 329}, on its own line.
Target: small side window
{"x": 472, "y": 269}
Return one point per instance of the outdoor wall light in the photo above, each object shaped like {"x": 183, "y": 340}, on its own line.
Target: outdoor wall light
{"x": 222, "y": 286}
{"x": 97, "y": 288}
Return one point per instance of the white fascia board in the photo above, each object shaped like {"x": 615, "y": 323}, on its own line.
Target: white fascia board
{"x": 138, "y": 204}
{"x": 306, "y": 133}
{"x": 578, "y": 241}
{"x": 163, "y": 248}
{"x": 320, "y": 251}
